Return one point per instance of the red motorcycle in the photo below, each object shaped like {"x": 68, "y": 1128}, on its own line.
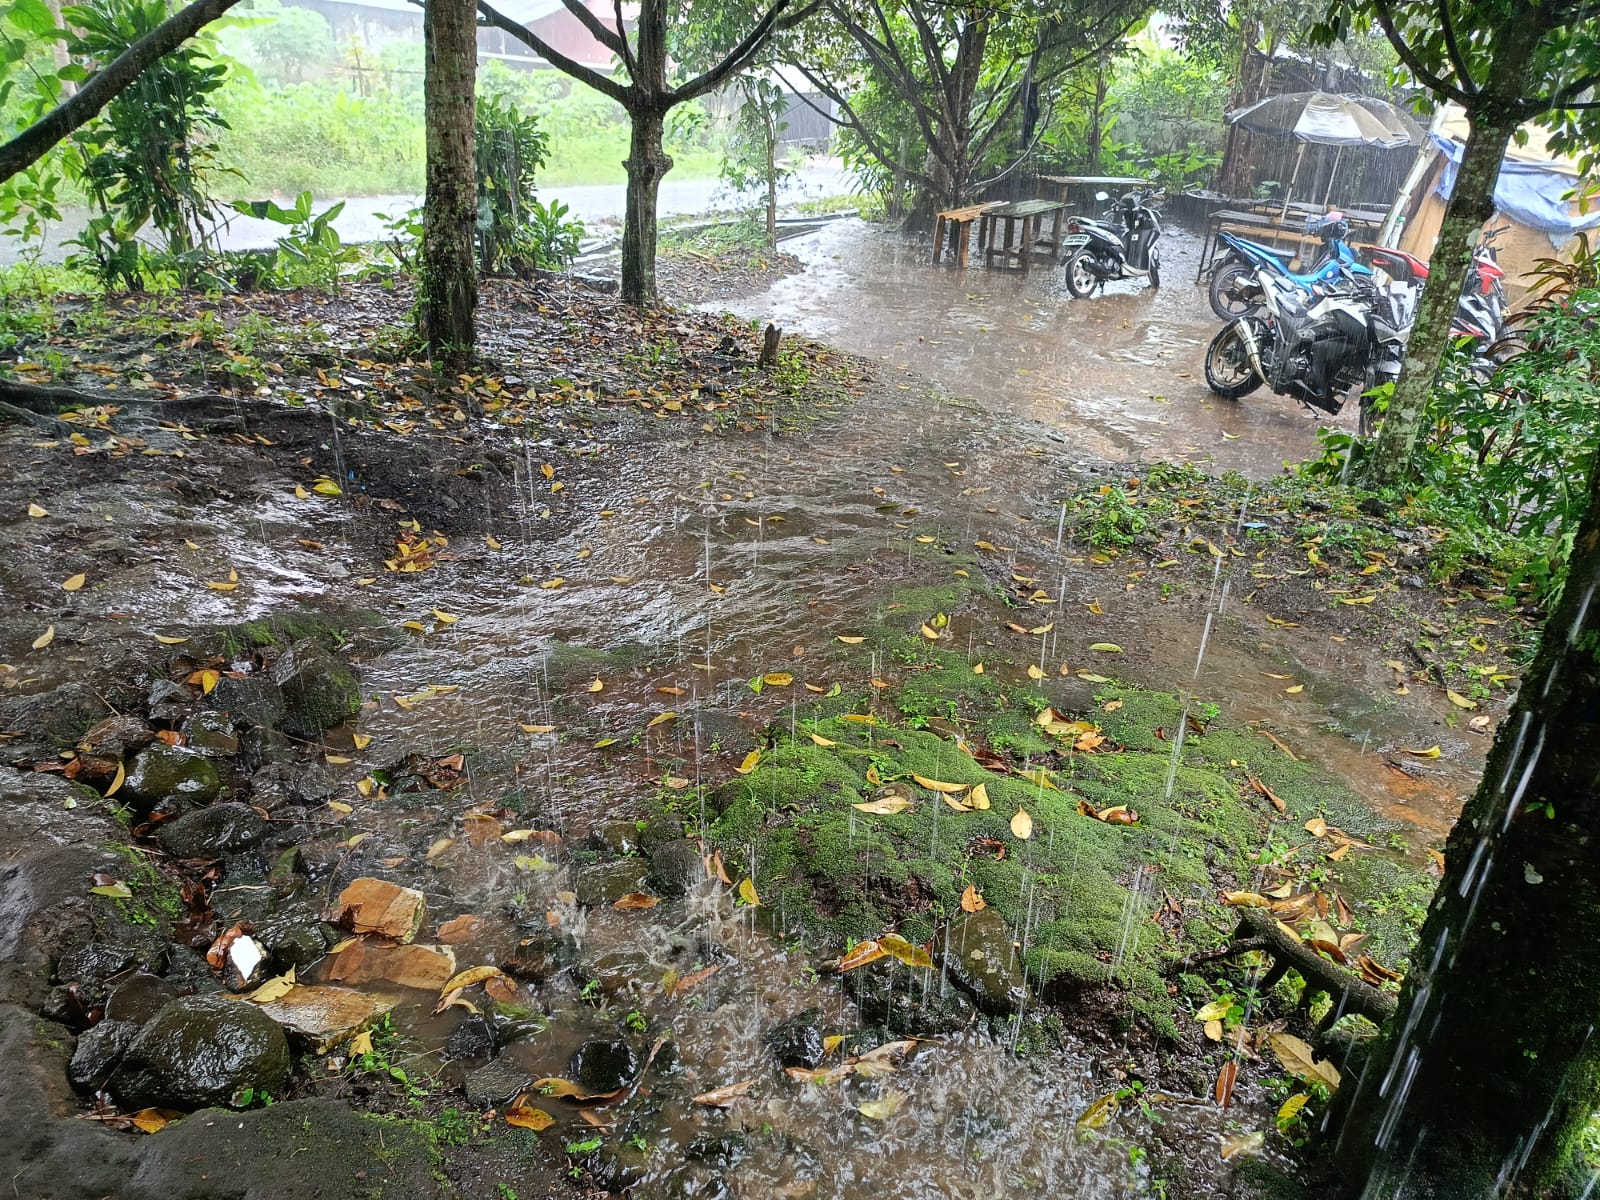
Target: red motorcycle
{"x": 1481, "y": 309}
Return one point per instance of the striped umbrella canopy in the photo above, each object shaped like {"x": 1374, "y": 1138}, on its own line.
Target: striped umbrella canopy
{"x": 1330, "y": 119}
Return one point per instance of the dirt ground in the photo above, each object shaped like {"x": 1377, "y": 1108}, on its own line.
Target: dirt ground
{"x": 526, "y": 566}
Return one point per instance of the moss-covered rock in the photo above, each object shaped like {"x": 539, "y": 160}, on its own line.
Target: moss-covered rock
{"x": 164, "y": 772}
{"x": 1090, "y": 904}
{"x": 319, "y": 691}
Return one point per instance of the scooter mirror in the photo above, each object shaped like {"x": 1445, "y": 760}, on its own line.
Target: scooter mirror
{"x": 1102, "y": 197}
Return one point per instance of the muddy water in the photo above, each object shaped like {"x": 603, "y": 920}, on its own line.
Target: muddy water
{"x": 1121, "y": 374}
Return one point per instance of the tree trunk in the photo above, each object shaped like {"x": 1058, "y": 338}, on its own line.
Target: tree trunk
{"x": 1471, "y": 204}
{"x": 647, "y": 162}
{"x": 770, "y": 125}
{"x": 449, "y": 283}
{"x": 1096, "y": 135}
{"x": 1492, "y": 1069}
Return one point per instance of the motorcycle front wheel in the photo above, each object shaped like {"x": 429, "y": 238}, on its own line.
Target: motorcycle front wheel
{"x": 1228, "y": 291}
{"x": 1228, "y": 370}
{"x": 1080, "y": 279}
{"x": 1155, "y": 268}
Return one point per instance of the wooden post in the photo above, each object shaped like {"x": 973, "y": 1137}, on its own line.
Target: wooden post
{"x": 769, "y": 347}
{"x": 964, "y": 236}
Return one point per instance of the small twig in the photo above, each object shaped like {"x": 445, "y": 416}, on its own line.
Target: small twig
{"x": 1238, "y": 946}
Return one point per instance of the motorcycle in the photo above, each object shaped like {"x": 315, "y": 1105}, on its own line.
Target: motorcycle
{"x": 1317, "y": 348}
{"x": 1481, "y": 308}
{"x": 1120, "y": 246}
{"x": 1234, "y": 288}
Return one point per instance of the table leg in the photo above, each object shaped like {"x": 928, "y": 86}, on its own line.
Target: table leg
{"x": 1011, "y": 227}
{"x": 963, "y": 233}
{"x": 1055, "y": 234}
{"x": 938, "y": 239}
{"x": 1030, "y": 227}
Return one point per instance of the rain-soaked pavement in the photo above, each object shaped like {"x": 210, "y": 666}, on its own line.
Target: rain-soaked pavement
{"x": 1121, "y": 375}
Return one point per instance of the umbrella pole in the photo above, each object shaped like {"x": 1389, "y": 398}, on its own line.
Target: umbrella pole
{"x": 1334, "y": 174}
{"x": 1289, "y": 195}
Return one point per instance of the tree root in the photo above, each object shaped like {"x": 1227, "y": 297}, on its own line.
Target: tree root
{"x": 1350, "y": 993}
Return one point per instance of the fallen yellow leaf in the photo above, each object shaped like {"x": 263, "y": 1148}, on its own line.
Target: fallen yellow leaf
{"x": 74, "y": 583}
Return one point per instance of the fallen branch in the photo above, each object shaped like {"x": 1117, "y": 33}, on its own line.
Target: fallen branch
{"x": 1350, "y": 994}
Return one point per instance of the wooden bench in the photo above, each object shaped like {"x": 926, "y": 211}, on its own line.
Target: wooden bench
{"x": 958, "y": 222}
{"x": 1029, "y": 214}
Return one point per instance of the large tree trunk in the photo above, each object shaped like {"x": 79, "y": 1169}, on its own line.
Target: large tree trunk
{"x": 1471, "y": 204}
{"x": 647, "y": 162}
{"x": 449, "y": 283}
{"x": 1492, "y": 1067}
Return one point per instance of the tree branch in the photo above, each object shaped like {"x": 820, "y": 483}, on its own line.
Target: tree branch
{"x": 626, "y": 50}
{"x": 1385, "y": 14}
{"x": 739, "y": 57}
{"x": 34, "y": 142}
{"x": 600, "y": 83}
{"x": 855, "y": 124}
{"x": 1463, "y": 76}
{"x": 596, "y": 26}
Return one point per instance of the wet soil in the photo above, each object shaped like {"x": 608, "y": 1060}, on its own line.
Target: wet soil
{"x": 614, "y": 519}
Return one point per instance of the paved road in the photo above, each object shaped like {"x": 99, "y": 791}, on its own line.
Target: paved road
{"x": 363, "y": 216}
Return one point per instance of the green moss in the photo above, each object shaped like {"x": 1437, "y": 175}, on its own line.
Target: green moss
{"x": 1094, "y": 904}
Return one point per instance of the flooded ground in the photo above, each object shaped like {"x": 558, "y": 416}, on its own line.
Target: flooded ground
{"x": 1121, "y": 375}
{"x": 591, "y": 636}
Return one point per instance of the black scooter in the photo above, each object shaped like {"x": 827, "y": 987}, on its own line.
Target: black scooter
{"x": 1119, "y": 247}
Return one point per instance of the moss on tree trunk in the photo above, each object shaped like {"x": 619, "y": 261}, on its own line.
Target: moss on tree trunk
{"x": 1492, "y": 1068}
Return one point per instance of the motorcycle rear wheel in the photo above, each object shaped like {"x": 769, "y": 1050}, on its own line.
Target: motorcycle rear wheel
{"x": 1081, "y": 280}
{"x": 1228, "y": 370}
{"x": 1225, "y": 284}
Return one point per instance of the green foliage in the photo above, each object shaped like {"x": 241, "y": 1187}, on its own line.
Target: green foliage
{"x": 150, "y": 158}
{"x": 289, "y": 43}
{"x": 1505, "y": 460}
{"x": 554, "y": 239}
{"x": 510, "y": 149}
{"x": 751, "y": 164}
{"x": 310, "y": 254}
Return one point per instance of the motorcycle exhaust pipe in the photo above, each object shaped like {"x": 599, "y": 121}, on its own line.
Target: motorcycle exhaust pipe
{"x": 1248, "y": 335}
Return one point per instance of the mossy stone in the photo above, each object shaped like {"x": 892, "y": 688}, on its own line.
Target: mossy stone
{"x": 162, "y": 772}
{"x": 319, "y": 691}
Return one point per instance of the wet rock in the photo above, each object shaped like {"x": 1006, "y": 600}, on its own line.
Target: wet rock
{"x": 621, "y": 971}
{"x": 163, "y": 772}
{"x": 211, "y": 734}
{"x": 212, "y": 832}
{"x": 244, "y": 895}
{"x": 139, "y": 997}
{"x": 907, "y": 1004}
{"x": 168, "y": 702}
{"x": 495, "y": 1084}
{"x": 324, "y": 1016}
{"x": 979, "y": 958}
{"x": 98, "y": 1052}
{"x": 797, "y": 1042}
{"x": 676, "y": 867}
{"x": 619, "y": 1167}
{"x": 474, "y": 1037}
{"x": 604, "y": 1064}
{"x": 606, "y": 883}
{"x": 696, "y": 1181}
{"x": 117, "y": 737}
{"x": 372, "y": 905}
{"x": 95, "y": 963}
{"x": 254, "y": 701}
{"x": 318, "y": 690}
{"x": 37, "y": 808}
{"x": 296, "y": 935}
{"x": 724, "y": 1151}
{"x": 1373, "y": 507}
{"x": 618, "y": 837}
{"x": 538, "y": 959}
{"x": 59, "y": 717}
{"x": 200, "y": 1051}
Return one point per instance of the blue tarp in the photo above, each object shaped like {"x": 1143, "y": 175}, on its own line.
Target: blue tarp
{"x": 1532, "y": 194}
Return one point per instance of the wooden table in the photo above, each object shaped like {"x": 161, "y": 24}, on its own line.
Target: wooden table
{"x": 958, "y": 221}
{"x": 1029, "y": 213}
{"x": 1064, "y": 183}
